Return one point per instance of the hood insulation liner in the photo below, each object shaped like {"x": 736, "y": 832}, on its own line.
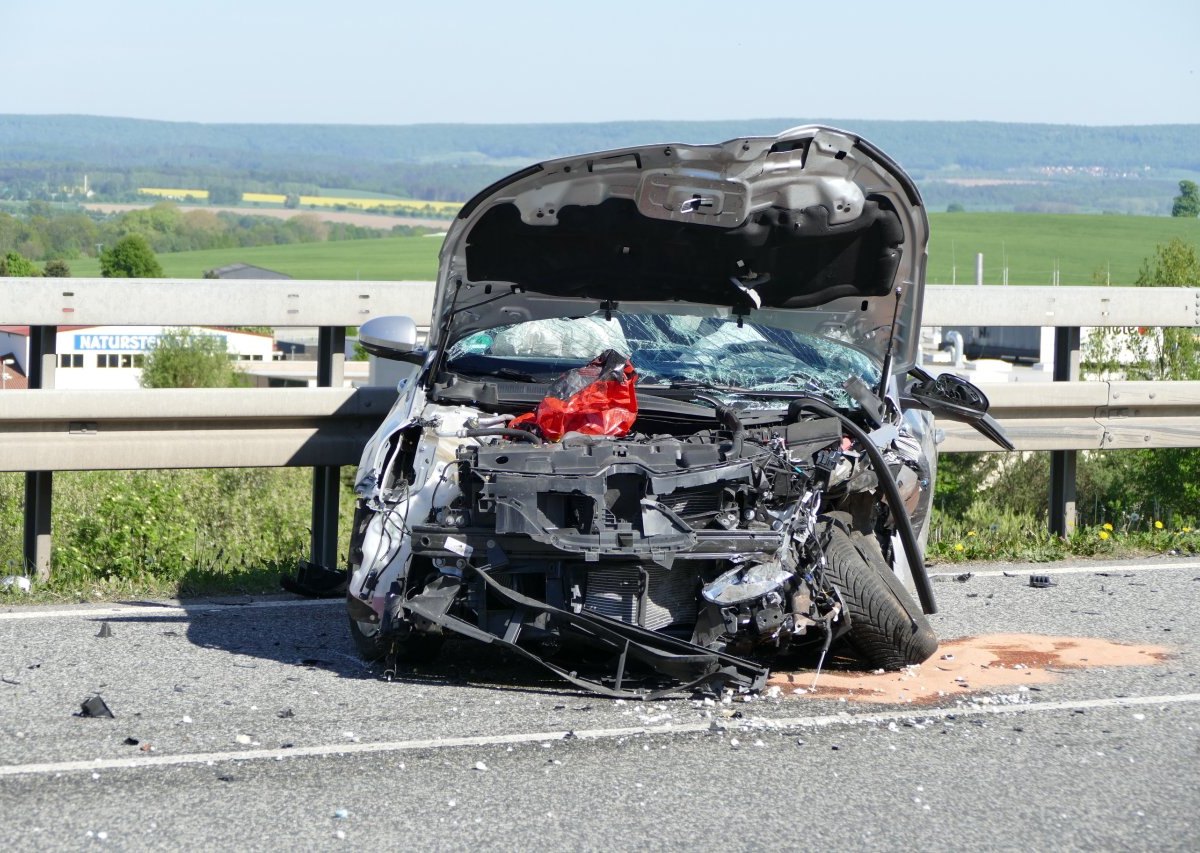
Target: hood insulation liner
{"x": 609, "y": 251}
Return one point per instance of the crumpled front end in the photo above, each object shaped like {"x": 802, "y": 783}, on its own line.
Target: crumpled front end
{"x": 629, "y": 566}
{"x": 763, "y": 496}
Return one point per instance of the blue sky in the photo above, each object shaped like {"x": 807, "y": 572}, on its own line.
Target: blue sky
{"x": 376, "y": 62}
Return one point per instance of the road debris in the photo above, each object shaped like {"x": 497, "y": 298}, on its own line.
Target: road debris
{"x": 105, "y": 630}
{"x": 1041, "y": 581}
{"x": 19, "y": 582}
{"x": 94, "y": 706}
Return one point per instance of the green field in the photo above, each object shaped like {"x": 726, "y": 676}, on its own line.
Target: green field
{"x": 341, "y": 192}
{"x": 1082, "y": 246}
{"x": 384, "y": 259}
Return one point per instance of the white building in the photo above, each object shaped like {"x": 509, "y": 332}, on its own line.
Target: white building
{"x": 112, "y": 356}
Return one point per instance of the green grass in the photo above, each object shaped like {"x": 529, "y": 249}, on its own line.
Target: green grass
{"x": 385, "y": 259}
{"x": 1081, "y": 245}
{"x": 168, "y": 533}
{"x": 1019, "y": 537}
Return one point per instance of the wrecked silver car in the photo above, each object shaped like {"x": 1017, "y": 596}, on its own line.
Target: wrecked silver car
{"x": 668, "y": 427}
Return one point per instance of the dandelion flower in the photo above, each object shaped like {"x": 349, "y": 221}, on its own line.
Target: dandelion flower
{"x": 959, "y": 547}
{"x": 970, "y": 532}
{"x": 1187, "y": 530}
{"x": 1103, "y": 534}
{"x": 1107, "y": 526}
{"x": 1158, "y": 525}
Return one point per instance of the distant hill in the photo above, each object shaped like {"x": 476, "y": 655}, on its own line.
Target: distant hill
{"x": 980, "y": 165}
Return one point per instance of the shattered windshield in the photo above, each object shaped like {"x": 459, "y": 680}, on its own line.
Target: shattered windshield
{"x": 670, "y": 349}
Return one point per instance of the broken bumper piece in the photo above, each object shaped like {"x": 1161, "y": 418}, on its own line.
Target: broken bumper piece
{"x": 630, "y": 661}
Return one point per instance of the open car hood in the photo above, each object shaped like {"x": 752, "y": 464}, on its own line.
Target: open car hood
{"x": 814, "y": 230}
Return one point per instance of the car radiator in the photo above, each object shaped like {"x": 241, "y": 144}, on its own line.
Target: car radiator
{"x": 614, "y": 591}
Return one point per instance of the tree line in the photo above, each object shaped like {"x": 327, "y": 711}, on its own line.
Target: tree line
{"x": 1080, "y": 168}
{"x": 56, "y": 236}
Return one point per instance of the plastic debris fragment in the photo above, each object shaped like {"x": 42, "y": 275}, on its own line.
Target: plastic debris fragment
{"x": 16, "y": 582}
{"x": 94, "y": 706}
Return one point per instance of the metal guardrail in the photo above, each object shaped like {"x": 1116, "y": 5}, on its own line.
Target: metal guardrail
{"x": 272, "y": 302}
{"x": 1071, "y": 416}
{"x": 45, "y": 430}
{"x": 69, "y": 430}
{"x": 1061, "y": 307}
{"x": 209, "y": 302}
{"x": 251, "y": 428}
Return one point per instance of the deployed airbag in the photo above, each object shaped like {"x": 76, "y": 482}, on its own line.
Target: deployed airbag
{"x": 597, "y": 399}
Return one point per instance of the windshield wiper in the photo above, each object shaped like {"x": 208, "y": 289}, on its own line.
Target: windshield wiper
{"x": 515, "y": 375}
{"x": 690, "y": 385}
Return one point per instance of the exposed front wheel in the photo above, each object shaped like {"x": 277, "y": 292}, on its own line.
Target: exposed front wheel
{"x": 372, "y": 646}
{"x": 887, "y": 628}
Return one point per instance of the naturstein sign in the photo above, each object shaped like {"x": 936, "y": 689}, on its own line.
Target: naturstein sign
{"x": 120, "y": 343}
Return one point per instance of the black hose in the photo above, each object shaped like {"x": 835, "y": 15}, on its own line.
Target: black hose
{"x": 503, "y": 431}
{"x": 730, "y": 420}
{"x": 908, "y": 538}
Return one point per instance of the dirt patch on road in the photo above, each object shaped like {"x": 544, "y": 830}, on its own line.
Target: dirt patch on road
{"x": 971, "y": 664}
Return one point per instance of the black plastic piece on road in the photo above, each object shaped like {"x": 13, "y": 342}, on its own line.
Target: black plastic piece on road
{"x": 105, "y": 629}
{"x": 313, "y": 581}
{"x": 94, "y": 706}
{"x": 1041, "y": 581}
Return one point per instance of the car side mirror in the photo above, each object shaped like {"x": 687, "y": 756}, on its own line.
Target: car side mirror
{"x": 949, "y": 396}
{"x": 392, "y": 338}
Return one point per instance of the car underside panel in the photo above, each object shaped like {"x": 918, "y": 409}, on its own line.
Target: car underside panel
{"x": 629, "y": 660}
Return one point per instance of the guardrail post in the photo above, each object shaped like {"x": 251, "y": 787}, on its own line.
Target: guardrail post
{"x": 331, "y": 371}
{"x": 39, "y": 485}
{"x": 1062, "y": 462}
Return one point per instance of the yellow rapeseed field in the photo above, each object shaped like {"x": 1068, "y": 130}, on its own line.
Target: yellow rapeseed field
{"x": 167, "y": 192}
{"x": 404, "y": 204}
{"x": 390, "y": 203}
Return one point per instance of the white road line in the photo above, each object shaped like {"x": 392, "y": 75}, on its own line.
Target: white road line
{"x": 781, "y": 724}
{"x": 1107, "y": 569}
{"x": 116, "y": 610}
{"x": 54, "y": 612}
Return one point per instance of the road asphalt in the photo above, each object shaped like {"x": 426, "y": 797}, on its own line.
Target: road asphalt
{"x": 250, "y": 724}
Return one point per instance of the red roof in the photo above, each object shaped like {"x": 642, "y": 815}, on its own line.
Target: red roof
{"x": 23, "y": 331}
{"x": 15, "y": 380}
